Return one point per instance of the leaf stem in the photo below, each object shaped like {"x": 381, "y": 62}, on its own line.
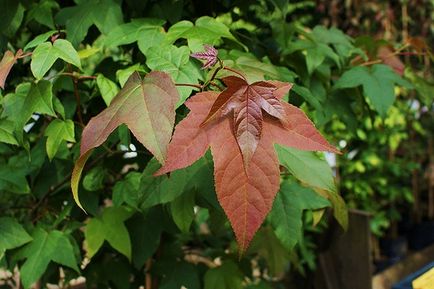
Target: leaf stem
{"x": 190, "y": 85}
{"x": 236, "y": 72}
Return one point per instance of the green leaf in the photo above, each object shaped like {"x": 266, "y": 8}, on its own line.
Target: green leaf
{"x": 42, "y": 12}
{"x": 148, "y": 32}
{"x": 422, "y": 86}
{"x": 145, "y": 235}
{"x": 253, "y": 68}
{"x": 207, "y": 30}
{"x": 182, "y": 209}
{"x": 287, "y": 212}
{"x": 110, "y": 227}
{"x": 41, "y": 38}
{"x": 378, "y": 84}
{"x": 316, "y": 173}
{"x": 123, "y": 74}
{"x": 163, "y": 189}
{"x": 39, "y": 99}
{"x": 227, "y": 276}
{"x": 126, "y": 190}
{"x": 9, "y": 10}
{"x": 12, "y": 234}
{"x": 176, "y": 62}
{"x": 7, "y": 132}
{"x": 94, "y": 179}
{"x": 45, "y": 247}
{"x": 181, "y": 275}
{"x": 56, "y": 132}
{"x": 268, "y": 246}
{"x": 13, "y": 179}
{"x": 307, "y": 168}
{"x": 79, "y": 18}
{"x": 46, "y": 54}
{"x": 107, "y": 88}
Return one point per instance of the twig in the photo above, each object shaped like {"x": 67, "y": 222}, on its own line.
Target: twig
{"x": 148, "y": 276}
{"x": 77, "y": 99}
{"x": 396, "y": 52}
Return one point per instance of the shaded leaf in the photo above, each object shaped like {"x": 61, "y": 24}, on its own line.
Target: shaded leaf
{"x": 79, "y": 18}
{"x": 286, "y": 215}
{"x": 268, "y": 246}
{"x": 182, "y": 209}
{"x": 45, "y": 247}
{"x": 109, "y": 227}
{"x": 226, "y": 276}
{"x": 181, "y": 275}
{"x": 12, "y": 234}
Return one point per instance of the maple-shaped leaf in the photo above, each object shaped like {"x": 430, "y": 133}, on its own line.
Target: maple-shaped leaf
{"x": 210, "y": 55}
{"x": 146, "y": 106}
{"x": 247, "y": 101}
{"x": 6, "y": 64}
{"x": 246, "y": 193}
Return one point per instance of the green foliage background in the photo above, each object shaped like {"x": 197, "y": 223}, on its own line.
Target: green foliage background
{"x": 171, "y": 232}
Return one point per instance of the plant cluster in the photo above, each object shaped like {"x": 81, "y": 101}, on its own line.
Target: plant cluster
{"x": 88, "y": 105}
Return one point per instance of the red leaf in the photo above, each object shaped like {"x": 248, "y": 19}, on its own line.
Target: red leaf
{"x": 210, "y": 55}
{"x": 386, "y": 54}
{"x": 247, "y": 102}
{"x": 146, "y": 106}
{"x": 245, "y": 191}
{"x": 6, "y": 64}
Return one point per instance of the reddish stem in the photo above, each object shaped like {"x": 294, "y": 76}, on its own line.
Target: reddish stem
{"x": 236, "y": 72}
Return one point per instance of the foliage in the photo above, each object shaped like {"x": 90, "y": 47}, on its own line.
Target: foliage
{"x": 71, "y": 99}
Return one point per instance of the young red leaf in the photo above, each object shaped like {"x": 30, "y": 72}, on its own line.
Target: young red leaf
{"x": 6, "y": 64}
{"x": 210, "y": 55}
{"x": 245, "y": 192}
{"x": 146, "y": 106}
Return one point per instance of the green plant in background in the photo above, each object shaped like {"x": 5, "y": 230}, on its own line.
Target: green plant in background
{"x": 168, "y": 232}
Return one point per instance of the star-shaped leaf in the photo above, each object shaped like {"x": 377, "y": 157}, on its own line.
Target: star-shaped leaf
{"x": 45, "y": 247}
{"x": 210, "y": 55}
{"x": 246, "y": 193}
{"x": 110, "y": 227}
{"x": 247, "y": 102}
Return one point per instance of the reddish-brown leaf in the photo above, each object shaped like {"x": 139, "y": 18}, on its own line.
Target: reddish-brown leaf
{"x": 146, "y": 106}
{"x": 245, "y": 191}
{"x": 6, "y": 64}
{"x": 386, "y": 54}
{"x": 247, "y": 101}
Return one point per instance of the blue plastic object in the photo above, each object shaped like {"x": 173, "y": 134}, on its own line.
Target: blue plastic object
{"x": 406, "y": 282}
